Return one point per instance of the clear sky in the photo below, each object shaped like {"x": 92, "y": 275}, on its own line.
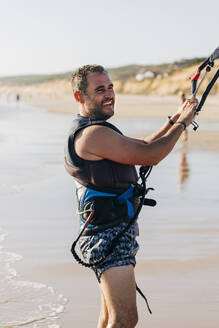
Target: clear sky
{"x": 46, "y": 36}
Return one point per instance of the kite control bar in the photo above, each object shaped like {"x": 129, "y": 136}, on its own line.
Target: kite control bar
{"x": 208, "y": 64}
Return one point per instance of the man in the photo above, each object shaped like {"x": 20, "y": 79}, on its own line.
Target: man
{"x": 99, "y": 157}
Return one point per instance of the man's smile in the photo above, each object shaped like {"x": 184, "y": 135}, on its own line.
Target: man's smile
{"x": 108, "y": 102}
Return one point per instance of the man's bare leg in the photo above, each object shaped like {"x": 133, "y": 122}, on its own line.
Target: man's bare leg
{"x": 104, "y": 316}
{"x": 119, "y": 290}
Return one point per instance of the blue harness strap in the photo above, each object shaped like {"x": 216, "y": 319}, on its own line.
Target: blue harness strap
{"x": 90, "y": 193}
{"x": 124, "y": 197}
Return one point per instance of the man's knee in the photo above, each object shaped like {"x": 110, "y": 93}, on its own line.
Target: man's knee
{"x": 126, "y": 319}
{"x": 119, "y": 288}
{"x": 103, "y": 319}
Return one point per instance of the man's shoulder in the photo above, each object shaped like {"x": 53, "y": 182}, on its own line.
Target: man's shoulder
{"x": 96, "y": 130}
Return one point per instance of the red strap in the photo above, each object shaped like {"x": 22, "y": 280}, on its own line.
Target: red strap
{"x": 89, "y": 219}
{"x": 196, "y": 76}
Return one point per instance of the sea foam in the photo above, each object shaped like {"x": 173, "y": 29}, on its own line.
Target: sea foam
{"x": 25, "y": 303}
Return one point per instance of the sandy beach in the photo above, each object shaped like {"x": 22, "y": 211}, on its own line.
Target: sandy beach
{"x": 182, "y": 282}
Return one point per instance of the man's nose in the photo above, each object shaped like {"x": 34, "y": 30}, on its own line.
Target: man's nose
{"x": 109, "y": 93}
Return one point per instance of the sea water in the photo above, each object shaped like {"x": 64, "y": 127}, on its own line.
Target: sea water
{"x": 26, "y": 303}
{"x": 23, "y": 132}
{"x": 38, "y": 208}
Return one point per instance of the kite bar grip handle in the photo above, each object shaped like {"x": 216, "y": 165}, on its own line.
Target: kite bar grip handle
{"x": 194, "y": 83}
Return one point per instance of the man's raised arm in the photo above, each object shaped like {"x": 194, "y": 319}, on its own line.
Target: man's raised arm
{"x": 99, "y": 142}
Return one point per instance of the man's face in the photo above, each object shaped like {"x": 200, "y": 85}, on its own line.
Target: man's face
{"x": 100, "y": 97}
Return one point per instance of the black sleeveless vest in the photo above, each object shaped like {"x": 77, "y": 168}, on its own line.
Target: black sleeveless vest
{"x": 103, "y": 174}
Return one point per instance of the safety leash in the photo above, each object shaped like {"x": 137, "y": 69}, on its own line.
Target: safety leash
{"x": 142, "y": 295}
{"x": 207, "y": 65}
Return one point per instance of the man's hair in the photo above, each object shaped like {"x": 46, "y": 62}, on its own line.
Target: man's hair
{"x": 79, "y": 77}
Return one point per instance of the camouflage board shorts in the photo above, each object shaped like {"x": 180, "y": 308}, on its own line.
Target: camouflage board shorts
{"x": 94, "y": 247}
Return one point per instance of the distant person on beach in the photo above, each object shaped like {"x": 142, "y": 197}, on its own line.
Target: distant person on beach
{"x": 102, "y": 161}
{"x": 182, "y": 97}
{"x": 184, "y": 170}
{"x": 17, "y": 97}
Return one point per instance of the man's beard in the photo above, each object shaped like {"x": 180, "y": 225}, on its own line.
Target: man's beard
{"x": 96, "y": 111}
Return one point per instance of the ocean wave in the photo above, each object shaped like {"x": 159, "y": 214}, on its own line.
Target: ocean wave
{"x": 24, "y": 303}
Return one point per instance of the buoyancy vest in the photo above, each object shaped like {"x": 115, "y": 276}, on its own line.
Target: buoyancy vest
{"x": 104, "y": 186}
{"x": 103, "y": 174}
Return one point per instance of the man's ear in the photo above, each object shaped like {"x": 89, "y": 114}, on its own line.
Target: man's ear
{"x": 79, "y": 97}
